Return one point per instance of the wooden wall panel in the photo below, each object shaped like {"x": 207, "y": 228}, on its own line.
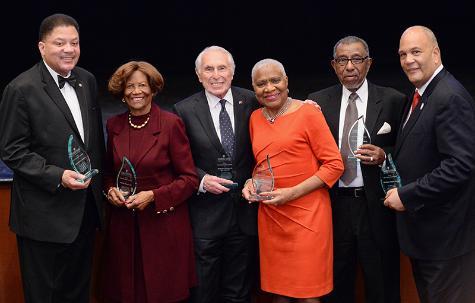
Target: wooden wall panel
{"x": 10, "y": 283}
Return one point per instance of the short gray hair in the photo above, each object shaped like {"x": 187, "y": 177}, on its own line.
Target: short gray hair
{"x": 215, "y": 48}
{"x": 265, "y": 62}
{"x": 350, "y": 40}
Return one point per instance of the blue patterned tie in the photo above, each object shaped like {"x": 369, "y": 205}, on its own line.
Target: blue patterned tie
{"x": 226, "y": 130}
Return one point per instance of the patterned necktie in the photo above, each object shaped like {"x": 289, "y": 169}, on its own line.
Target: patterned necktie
{"x": 71, "y": 80}
{"x": 226, "y": 130}
{"x": 351, "y": 115}
{"x": 415, "y": 100}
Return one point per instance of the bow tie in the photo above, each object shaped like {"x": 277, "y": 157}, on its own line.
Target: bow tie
{"x": 71, "y": 80}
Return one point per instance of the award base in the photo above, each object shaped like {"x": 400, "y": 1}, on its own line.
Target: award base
{"x": 233, "y": 185}
{"x": 257, "y": 197}
{"x": 88, "y": 175}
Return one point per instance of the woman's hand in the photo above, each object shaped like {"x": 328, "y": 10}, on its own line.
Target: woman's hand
{"x": 248, "y": 190}
{"x": 279, "y": 196}
{"x": 140, "y": 200}
{"x": 115, "y": 197}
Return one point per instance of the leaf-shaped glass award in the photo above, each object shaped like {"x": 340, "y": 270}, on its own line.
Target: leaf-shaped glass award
{"x": 358, "y": 135}
{"x": 263, "y": 180}
{"x": 79, "y": 160}
{"x": 126, "y": 178}
{"x": 389, "y": 178}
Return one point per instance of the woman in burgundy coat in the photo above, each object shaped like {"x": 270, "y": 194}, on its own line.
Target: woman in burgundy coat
{"x": 149, "y": 252}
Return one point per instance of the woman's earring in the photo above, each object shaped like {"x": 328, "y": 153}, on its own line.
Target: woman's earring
{"x": 123, "y": 100}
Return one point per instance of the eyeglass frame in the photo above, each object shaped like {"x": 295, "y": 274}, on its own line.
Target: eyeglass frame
{"x": 346, "y": 60}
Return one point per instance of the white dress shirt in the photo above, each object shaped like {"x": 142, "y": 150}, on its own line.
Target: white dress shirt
{"x": 215, "y": 108}
{"x": 71, "y": 98}
{"x": 361, "y": 104}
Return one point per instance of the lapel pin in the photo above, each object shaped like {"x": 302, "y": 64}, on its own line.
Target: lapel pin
{"x": 240, "y": 102}
{"x": 80, "y": 84}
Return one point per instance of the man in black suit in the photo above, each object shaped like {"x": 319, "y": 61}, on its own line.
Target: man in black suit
{"x": 224, "y": 224}
{"x": 363, "y": 230}
{"x": 53, "y": 214}
{"x": 435, "y": 156}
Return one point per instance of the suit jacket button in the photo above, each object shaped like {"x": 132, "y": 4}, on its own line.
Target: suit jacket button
{"x": 164, "y": 211}
{"x": 172, "y": 208}
{"x": 158, "y": 212}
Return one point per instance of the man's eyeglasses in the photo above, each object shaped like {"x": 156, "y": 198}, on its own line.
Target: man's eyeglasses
{"x": 342, "y": 61}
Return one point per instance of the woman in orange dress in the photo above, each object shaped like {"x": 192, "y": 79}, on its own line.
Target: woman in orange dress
{"x": 295, "y": 225}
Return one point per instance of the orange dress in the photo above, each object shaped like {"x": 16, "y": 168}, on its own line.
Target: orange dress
{"x": 295, "y": 239}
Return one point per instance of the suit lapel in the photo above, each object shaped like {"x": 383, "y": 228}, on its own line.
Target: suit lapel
{"x": 150, "y": 133}
{"x": 405, "y": 129}
{"x": 373, "y": 108}
{"x": 121, "y": 139}
{"x": 203, "y": 114}
{"x": 54, "y": 93}
{"x": 331, "y": 110}
{"x": 240, "y": 125}
{"x": 83, "y": 106}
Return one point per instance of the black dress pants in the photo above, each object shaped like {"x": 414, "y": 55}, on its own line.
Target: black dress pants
{"x": 353, "y": 243}
{"x": 225, "y": 267}
{"x": 445, "y": 281}
{"x": 56, "y": 272}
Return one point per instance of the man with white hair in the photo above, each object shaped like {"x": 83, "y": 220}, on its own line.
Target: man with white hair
{"x": 224, "y": 224}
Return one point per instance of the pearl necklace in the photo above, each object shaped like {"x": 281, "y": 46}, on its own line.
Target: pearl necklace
{"x": 271, "y": 118}
{"x": 138, "y": 126}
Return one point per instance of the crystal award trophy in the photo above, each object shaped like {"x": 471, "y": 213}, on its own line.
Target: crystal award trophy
{"x": 263, "y": 180}
{"x": 225, "y": 171}
{"x": 389, "y": 176}
{"x": 126, "y": 178}
{"x": 80, "y": 160}
{"x": 357, "y": 136}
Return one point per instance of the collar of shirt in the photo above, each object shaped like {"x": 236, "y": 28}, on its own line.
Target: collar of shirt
{"x": 361, "y": 104}
{"x": 215, "y": 108}
{"x": 213, "y": 101}
{"x": 54, "y": 74}
{"x": 362, "y": 93}
{"x": 422, "y": 89}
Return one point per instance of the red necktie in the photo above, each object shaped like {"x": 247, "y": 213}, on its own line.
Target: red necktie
{"x": 415, "y": 100}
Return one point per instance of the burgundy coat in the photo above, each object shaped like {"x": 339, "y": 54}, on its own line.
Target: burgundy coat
{"x": 166, "y": 167}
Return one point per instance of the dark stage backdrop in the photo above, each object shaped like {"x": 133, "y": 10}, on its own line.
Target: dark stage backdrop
{"x": 300, "y": 34}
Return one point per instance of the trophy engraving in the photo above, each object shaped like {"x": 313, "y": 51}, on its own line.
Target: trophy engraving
{"x": 126, "y": 178}
{"x": 390, "y": 178}
{"x": 263, "y": 180}
{"x": 358, "y": 135}
{"x": 79, "y": 160}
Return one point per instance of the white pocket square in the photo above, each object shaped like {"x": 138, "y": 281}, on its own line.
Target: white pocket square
{"x": 385, "y": 129}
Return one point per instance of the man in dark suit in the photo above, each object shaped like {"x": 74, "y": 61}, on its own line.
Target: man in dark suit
{"x": 53, "y": 214}
{"x": 435, "y": 156}
{"x": 363, "y": 230}
{"x": 224, "y": 224}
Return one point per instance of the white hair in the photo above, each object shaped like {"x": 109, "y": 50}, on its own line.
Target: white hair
{"x": 265, "y": 62}
{"x": 215, "y": 48}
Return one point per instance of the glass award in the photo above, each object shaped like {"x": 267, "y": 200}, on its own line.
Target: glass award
{"x": 126, "y": 180}
{"x": 225, "y": 170}
{"x": 79, "y": 160}
{"x": 389, "y": 176}
{"x": 263, "y": 180}
{"x": 357, "y": 136}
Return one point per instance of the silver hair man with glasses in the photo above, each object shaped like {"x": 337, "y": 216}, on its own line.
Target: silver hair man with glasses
{"x": 224, "y": 224}
{"x": 364, "y": 230}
